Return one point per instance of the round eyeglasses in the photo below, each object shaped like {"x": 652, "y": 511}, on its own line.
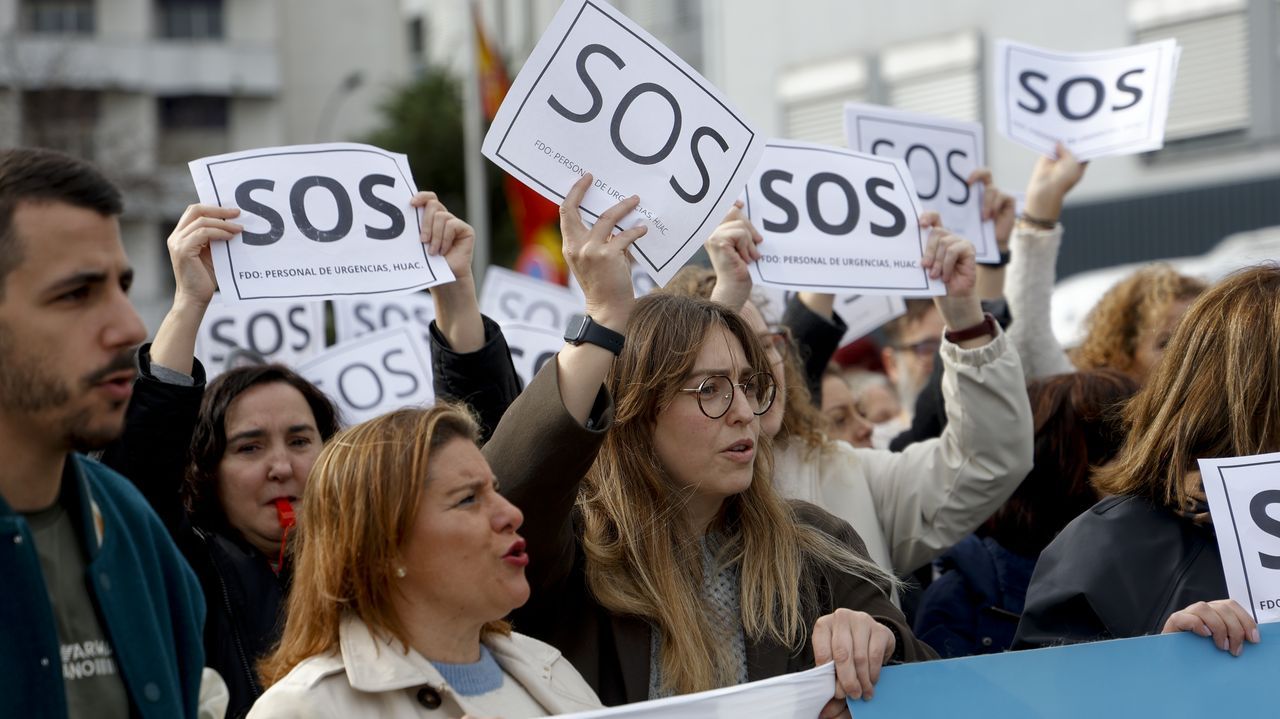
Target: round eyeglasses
{"x": 715, "y": 393}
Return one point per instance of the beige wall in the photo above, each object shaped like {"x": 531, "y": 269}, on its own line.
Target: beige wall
{"x": 324, "y": 41}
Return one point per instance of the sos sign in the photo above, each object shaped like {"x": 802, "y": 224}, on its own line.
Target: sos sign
{"x": 531, "y": 348}
{"x": 353, "y": 319}
{"x": 289, "y": 333}
{"x": 1244, "y": 501}
{"x": 1097, "y": 103}
{"x": 513, "y": 298}
{"x": 374, "y": 374}
{"x": 836, "y": 221}
{"x": 320, "y": 221}
{"x": 941, "y": 154}
{"x": 600, "y": 95}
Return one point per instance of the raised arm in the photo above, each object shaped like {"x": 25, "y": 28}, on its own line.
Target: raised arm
{"x": 549, "y": 437}
{"x": 934, "y": 492}
{"x": 810, "y": 316}
{"x": 470, "y": 360}
{"x": 732, "y": 248}
{"x": 152, "y": 451}
{"x": 999, "y": 208}
{"x": 1033, "y": 266}
{"x": 816, "y": 329}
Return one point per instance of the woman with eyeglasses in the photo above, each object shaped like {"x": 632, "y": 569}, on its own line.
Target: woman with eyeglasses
{"x": 908, "y": 506}
{"x": 662, "y": 559}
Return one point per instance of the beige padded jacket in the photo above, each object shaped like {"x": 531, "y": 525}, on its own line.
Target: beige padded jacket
{"x": 911, "y": 506}
{"x": 371, "y": 677}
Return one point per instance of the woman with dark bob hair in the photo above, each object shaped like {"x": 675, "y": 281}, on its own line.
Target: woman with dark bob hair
{"x": 407, "y": 564}
{"x": 1146, "y": 559}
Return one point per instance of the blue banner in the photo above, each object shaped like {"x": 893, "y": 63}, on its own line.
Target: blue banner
{"x": 1178, "y": 675}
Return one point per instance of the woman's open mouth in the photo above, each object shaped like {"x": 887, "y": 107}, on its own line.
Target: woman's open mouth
{"x": 516, "y": 555}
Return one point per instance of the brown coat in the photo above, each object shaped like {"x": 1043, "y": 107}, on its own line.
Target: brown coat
{"x": 540, "y": 455}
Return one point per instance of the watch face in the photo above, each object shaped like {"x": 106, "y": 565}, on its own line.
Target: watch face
{"x": 579, "y": 327}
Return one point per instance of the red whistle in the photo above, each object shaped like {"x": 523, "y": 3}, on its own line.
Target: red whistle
{"x": 284, "y": 513}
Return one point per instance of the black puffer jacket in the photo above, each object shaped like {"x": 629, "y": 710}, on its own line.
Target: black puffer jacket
{"x": 245, "y": 597}
{"x": 1119, "y": 570}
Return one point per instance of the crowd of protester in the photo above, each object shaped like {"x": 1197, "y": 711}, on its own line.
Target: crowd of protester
{"x": 692, "y": 498}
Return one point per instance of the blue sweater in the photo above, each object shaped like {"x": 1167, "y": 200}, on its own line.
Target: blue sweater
{"x": 147, "y": 597}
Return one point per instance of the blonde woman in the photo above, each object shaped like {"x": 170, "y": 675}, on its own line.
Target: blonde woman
{"x": 673, "y": 566}
{"x": 1146, "y": 560}
{"x": 406, "y": 565}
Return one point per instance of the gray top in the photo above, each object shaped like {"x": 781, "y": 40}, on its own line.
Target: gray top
{"x": 720, "y": 593}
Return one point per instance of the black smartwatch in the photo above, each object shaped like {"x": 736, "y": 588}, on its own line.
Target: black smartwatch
{"x": 583, "y": 329}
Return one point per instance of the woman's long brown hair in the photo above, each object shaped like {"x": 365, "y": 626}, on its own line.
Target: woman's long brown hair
{"x": 643, "y": 560}
{"x": 1216, "y": 393}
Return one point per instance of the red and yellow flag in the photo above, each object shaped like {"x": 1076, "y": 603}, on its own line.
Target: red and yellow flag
{"x": 536, "y": 219}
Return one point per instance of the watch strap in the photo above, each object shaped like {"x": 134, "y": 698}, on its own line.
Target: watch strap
{"x": 584, "y": 329}
{"x": 986, "y": 327}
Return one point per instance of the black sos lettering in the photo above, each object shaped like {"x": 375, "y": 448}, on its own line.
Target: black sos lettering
{"x": 915, "y": 151}
{"x": 1258, "y": 511}
{"x": 840, "y": 226}
{"x": 409, "y": 383}
{"x": 511, "y": 301}
{"x": 263, "y": 333}
{"x": 542, "y": 359}
{"x": 392, "y": 316}
{"x": 620, "y": 112}
{"x": 297, "y": 208}
{"x": 1096, "y": 89}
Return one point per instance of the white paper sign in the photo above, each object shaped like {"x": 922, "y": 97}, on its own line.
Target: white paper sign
{"x": 1244, "y": 499}
{"x": 320, "y": 221}
{"x": 600, "y": 95}
{"x": 356, "y": 318}
{"x": 941, "y": 154}
{"x": 788, "y": 696}
{"x": 285, "y": 332}
{"x": 863, "y": 314}
{"x": 531, "y": 348}
{"x": 513, "y": 298}
{"x": 380, "y": 372}
{"x": 839, "y": 221}
{"x": 1113, "y": 102}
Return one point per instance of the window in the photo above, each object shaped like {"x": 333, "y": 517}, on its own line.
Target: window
{"x": 57, "y": 17}
{"x": 940, "y": 76}
{"x": 60, "y": 119}
{"x": 1211, "y": 91}
{"x": 813, "y": 99}
{"x": 193, "y": 126}
{"x": 189, "y": 19}
{"x": 417, "y": 28}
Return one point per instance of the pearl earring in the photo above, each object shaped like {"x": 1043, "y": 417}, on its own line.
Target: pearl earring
{"x": 400, "y": 572}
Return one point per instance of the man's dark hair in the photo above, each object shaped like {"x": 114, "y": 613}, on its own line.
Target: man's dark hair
{"x": 31, "y": 174}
